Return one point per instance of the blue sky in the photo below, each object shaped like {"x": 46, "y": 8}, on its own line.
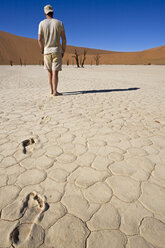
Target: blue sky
{"x": 116, "y": 25}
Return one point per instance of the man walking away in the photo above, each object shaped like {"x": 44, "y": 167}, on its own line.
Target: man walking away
{"x": 49, "y": 33}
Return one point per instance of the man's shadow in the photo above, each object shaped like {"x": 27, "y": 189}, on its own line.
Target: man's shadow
{"x": 97, "y": 91}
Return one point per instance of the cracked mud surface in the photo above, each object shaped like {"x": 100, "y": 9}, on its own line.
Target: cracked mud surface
{"x": 95, "y": 176}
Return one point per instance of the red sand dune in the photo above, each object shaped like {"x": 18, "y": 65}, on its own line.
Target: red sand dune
{"x": 26, "y": 50}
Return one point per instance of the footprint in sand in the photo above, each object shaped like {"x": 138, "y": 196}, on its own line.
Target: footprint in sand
{"x": 45, "y": 120}
{"x": 27, "y": 234}
{"x": 41, "y": 107}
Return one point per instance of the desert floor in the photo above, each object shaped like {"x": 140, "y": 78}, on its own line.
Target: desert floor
{"x": 95, "y": 176}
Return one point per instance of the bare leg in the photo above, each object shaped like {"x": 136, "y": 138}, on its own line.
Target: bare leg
{"x": 50, "y": 81}
{"x": 55, "y": 83}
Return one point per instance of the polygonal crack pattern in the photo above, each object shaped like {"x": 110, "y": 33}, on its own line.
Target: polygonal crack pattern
{"x": 95, "y": 175}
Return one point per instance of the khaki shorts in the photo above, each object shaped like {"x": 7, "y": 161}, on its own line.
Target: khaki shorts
{"x": 53, "y": 61}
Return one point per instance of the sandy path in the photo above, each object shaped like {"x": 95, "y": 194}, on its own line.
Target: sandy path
{"x": 95, "y": 176}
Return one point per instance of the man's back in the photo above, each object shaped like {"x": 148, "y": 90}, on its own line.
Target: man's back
{"x": 51, "y": 29}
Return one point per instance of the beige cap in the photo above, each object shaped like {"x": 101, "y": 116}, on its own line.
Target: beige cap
{"x": 48, "y": 9}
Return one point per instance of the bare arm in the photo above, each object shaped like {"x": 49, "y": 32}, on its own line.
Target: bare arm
{"x": 63, "y": 37}
{"x": 41, "y": 43}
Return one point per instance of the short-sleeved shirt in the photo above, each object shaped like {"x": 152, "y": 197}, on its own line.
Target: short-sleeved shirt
{"x": 51, "y": 29}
